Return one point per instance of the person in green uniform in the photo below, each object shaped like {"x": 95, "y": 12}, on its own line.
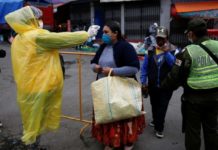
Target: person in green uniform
{"x": 197, "y": 72}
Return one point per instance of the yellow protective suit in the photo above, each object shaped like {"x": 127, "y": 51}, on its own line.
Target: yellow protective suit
{"x": 37, "y": 71}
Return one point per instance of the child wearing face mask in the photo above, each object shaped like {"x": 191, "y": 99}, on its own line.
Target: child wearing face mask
{"x": 156, "y": 65}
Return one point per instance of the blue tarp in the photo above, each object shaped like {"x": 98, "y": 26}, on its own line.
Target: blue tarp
{"x": 40, "y": 1}
{"x": 50, "y": 1}
{"x": 7, "y": 6}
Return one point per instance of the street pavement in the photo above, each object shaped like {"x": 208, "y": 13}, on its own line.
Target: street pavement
{"x": 67, "y": 137}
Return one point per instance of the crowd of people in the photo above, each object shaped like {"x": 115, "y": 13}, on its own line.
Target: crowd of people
{"x": 35, "y": 58}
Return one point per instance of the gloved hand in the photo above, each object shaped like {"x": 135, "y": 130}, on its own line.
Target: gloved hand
{"x": 93, "y": 30}
{"x": 144, "y": 91}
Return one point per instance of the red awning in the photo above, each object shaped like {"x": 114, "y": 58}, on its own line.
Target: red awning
{"x": 195, "y": 9}
{"x": 195, "y": 6}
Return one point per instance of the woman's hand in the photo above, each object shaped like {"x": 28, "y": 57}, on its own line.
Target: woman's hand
{"x": 106, "y": 70}
{"x": 98, "y": 69}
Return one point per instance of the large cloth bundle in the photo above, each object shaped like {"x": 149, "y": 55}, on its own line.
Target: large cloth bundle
{"x": 116, "y": 98}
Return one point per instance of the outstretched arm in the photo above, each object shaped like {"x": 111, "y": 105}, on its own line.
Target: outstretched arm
{"x": 52, "y": 40}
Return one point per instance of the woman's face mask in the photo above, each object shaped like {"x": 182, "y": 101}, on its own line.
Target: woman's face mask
{"x": 106, "y": 39}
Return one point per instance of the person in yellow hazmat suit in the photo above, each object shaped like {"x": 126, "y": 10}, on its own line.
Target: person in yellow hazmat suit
{"x": 37, "y": 70}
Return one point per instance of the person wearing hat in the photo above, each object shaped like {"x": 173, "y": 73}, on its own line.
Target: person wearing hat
{"x": 197, "y": 71}
{"x": 157, "y": 63}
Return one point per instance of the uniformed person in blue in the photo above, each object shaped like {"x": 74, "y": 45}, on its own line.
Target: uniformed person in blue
{"x": 197, "y": 72}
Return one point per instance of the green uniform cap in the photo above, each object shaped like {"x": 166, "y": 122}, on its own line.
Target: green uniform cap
{"x": 196, "y": 24}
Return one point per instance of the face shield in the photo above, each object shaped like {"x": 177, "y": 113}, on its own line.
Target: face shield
{"x": 38, "y": 15}
{"x": 37, "y": 12}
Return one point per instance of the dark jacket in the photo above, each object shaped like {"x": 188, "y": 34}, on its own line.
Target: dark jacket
{"x": 124, "y": 54}
{"x": 155, "y": 67}
{"x": 157, "y": 71}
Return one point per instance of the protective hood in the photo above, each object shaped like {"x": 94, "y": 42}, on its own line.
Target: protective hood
{"x": 37, "y": 71}
{"x": 22, "y": 20}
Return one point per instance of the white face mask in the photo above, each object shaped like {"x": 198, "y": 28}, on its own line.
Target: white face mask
{"x": 41, "y": 24}
{"x": 190, "y": 40}
{"x": 189, "y": 37}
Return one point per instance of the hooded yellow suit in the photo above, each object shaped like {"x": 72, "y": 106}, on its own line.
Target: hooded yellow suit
{"x": 37, "y": 71}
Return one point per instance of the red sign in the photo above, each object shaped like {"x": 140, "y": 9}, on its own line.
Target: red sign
{"x": 213, "y": 32}
{"x": 48, "y": 15}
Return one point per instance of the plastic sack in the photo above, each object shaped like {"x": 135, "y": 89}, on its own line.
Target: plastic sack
{"x": 37, "y": 72}
{"x": 116, "y": 98}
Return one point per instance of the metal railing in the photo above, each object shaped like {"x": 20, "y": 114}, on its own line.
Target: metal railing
{"x": 79, "y": 55}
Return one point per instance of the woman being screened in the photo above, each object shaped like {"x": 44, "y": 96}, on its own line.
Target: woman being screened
{"x": 117, "y": 54}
